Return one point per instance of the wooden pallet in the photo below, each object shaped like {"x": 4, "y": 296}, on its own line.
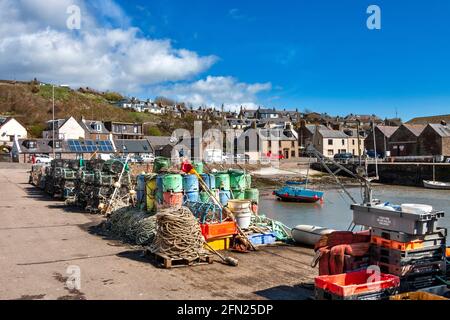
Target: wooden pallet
{"x": 168, "y": 263}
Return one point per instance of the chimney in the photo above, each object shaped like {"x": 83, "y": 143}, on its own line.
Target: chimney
{"x": 443, "y": 122}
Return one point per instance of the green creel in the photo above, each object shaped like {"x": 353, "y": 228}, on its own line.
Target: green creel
{"x": 198, "y": 166}
{"x": 237, "y": 180}
{"x": 161, "y": 163}
{"x": 222, "y": 181}
{"x": 252, "y": 194}
{"x": 238, "y": 194}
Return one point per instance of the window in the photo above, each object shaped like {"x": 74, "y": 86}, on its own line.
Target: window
{"x": 57, "y": 144}
{"x": 343, "y": 142}
{"x": 330, "y": 142}
{"x": 98, "y": 127}
{"x": 330, "y": 152}
{"x": 292, "y": 153}
{"x": 270, "y": 143}
{"x": 58, "y": 155}
{"x": 353, "y": 141}
{"x": 293, "y": 144}
{"x": 136, "y": 129}
{"x": 247, "y": 143}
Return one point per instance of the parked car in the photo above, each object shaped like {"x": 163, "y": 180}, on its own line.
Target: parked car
{"x": 147, "y": 158}
{"x": 42, "y": 158}
{"x": 371, "y": 154}
{"x": 343, "y": 156}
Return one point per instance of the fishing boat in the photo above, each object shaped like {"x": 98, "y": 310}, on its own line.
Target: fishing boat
{"x": 298, "y": 192}
{"x": 436, "y": 185}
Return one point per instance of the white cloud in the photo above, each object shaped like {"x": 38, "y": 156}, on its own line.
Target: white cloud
{"x": 34, "y": 42}
{"x": 215, "y": 91}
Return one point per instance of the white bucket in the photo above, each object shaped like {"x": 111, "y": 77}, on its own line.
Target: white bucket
{"x": 239, "y": 205}
{"x": 243, "y": 218}
{"x": 416, "y": 208}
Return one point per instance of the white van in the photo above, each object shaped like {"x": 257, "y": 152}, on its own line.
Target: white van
{"x": 213, "y": 156}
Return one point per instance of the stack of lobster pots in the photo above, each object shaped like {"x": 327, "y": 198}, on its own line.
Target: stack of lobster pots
{"x": 407, "y": 242}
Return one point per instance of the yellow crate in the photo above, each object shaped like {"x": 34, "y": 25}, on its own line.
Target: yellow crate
{"x": 417, "y": 296}
{"x": 219, "y": 244}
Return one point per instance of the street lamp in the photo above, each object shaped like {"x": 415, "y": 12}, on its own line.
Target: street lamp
{"x": 53, "y": 113}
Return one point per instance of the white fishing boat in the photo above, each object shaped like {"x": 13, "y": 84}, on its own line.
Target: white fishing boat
{"x": 436, "y": 185}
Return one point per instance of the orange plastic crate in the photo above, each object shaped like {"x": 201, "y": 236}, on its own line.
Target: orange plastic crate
{"x": 447, "y": 252}
{"x": 355, "y": 283}
{"x": 218, "y": 230}
{"x": 392, "y": 244}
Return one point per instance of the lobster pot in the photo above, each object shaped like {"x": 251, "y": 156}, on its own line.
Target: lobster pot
{"x": 204, "y": 196}
{"x": 238, "y": 194}
{"x": 161, "y": 164}
{"x": 224, "y": 197}
{"x": 198, "y": 166}
{"x": 192, "y": 196}
{"x": 222, "y": 181}
{"x": 173, "y": 199}
{"x": 150, "y": 204}
{"x": 172, "y": 183}
{"x": 237, "y": 180}
{"x": 114, "y": 166}
{"x": 209, "y": 180}
{"x": 252, "y": 194}
{"x": 190, "y": 183}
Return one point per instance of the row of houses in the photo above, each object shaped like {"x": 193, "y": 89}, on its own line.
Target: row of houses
{"x": 411, "y": 140}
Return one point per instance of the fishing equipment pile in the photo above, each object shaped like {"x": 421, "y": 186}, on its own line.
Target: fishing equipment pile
{"x": 178, "y": 235}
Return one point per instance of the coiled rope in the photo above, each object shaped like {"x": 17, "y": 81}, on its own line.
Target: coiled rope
{"x": 178, "y": 235}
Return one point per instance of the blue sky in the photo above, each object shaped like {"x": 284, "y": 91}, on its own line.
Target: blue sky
{"x": 316, "y": 55}
{"x": 319, "y": 54}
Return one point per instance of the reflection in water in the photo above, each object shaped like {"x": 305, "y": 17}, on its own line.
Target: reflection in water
{"x": 335, "y": 211}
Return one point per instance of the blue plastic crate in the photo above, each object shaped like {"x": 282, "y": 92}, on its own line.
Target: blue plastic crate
{"x": 262, "y": 238}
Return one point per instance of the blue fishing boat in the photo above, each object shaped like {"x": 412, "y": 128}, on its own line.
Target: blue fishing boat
{"x": 298, "y": 192}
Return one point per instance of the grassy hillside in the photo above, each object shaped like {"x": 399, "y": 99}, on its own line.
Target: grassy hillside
{"x": 31, "y": 104}
{"x": 432, "y": 119}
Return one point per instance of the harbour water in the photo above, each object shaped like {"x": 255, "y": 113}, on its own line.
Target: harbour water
{"x": 335, "y": 211}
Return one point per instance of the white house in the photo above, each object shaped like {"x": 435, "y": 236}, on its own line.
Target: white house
{"x": 10, "y": 128}
{"x": 64, "y": 129}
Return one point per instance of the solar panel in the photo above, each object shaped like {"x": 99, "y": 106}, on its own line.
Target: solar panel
{"x": 89, "y": 146}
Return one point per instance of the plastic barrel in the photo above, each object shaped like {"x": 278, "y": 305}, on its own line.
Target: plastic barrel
{"x": 252, "y": 194}
{"x": 209, "y": 180}
{"x": 198, "y": 166}
{"x": 159, "y": 183}
{"x": 224, "y": 196}
{"x": 238, "y": 194}
{"x": 151, "y": 184}
{"x": 222, "y": 181}
{"x": 237, "y": 180}
{"x": 172, "y": 183}
{"x": 159, "y": 197}
{"x": 192, "y": 196}
{"x": 190, "y": 183}
{"x": 140, "y": 187}
{"x": 161, "y": 163}
{"x": 173, "y": 199}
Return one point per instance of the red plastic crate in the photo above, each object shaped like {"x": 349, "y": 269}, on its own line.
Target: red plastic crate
{"x": 354, "y": 283}
{"x": 217, "y": 230}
